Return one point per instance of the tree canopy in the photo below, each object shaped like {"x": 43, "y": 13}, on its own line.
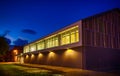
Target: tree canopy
{"x": 4, "y": 47}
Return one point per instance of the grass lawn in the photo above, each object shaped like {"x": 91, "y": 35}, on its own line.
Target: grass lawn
{"x": 16, "y": 70}
{"x": 30, "y": 70}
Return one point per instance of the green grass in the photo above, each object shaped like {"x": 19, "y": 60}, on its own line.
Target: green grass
{"x": 20, "y": 70}
{"x": 15, "y": 70}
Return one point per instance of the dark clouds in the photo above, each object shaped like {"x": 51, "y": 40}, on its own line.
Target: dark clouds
{"x": 29, "y": 31}
{"x": 20, "y": 42}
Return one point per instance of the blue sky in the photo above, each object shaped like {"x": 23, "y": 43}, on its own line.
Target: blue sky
{"x": 46, "y": 16}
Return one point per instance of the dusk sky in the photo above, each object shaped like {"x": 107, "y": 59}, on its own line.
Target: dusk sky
{"x": 33, "y": 19}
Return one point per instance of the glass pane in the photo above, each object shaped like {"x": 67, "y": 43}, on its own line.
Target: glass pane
{"x": 63, "y": 40}
{"x": 33, "y": 48}
{"x": 67, "y": 40}
{"x": 72, "y": 37}
{"x": 40, "y": 45}
{"x": 56, "y": 42}
{"x": 77, "y": 36}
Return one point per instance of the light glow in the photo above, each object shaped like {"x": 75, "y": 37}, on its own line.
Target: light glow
{"x": 52, "y": 56}
{"x": 15, "y": 52}
{"x": 32, "y": 56}
{"x": 15, "y": 58}
{"x": 33, "y": 49}
{"x": 40, "y": 55}
{"x": 27, "y": 56}
{"x": 70, "y": 54}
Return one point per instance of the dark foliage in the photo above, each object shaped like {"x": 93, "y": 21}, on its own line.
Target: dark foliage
{"x": 8, "y": 40}
{"x": 4, "y": 47}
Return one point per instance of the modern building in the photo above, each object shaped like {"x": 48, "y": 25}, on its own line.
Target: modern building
{"x": 91, "y": 43}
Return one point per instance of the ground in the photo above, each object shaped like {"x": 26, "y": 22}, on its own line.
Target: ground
{"x": 15, "y": 69}
{"x": 19, "y": 70}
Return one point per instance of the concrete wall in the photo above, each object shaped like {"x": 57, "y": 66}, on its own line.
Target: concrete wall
{"x": 102, "y": 59}
{"x": 68, "y": 58}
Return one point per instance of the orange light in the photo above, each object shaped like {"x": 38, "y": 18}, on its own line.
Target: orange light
{"x": 51, "y": 56}
{"x": 70, "y": 54}
{"x": 32, "y": 56}
{"x": 15, "y": 58}
{"x": 15, "y": 52}
{"x": 27, "y": 56}
{"x": 40, "y": 55}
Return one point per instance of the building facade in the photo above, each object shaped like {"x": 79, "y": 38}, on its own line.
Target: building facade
{"x": 12, "y": 54}
{"x": 91, "y": 43}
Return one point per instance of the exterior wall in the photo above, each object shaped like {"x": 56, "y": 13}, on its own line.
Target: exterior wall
{"x": 102, "y": 59}
{"x": 68, "y": 58}
{"x": 101, "y": 41}
{"x": 102, "y": 30}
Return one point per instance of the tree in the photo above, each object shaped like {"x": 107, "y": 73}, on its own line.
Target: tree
{"x": 4, "y": 47}
{"x": 8, "y": 40}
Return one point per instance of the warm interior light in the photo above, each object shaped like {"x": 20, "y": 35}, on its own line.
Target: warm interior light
{"x": 32, "y": 49}
{"x": 15, "y": 52}
{"x": 15, "y": 58}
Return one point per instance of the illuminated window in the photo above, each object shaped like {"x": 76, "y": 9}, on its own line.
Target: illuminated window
{"x": 40, "y": 45}
{"x": 77, "y": 36}
{"x": 33, "y": 47}
{"x": 47, "y": 43}
{"x": 52, "y": 42}
{"x": 65, "y": 38}
{"x": 26, "y": 49}
{"x": 56, "y": 41}
{"x": 70, "y": 36}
